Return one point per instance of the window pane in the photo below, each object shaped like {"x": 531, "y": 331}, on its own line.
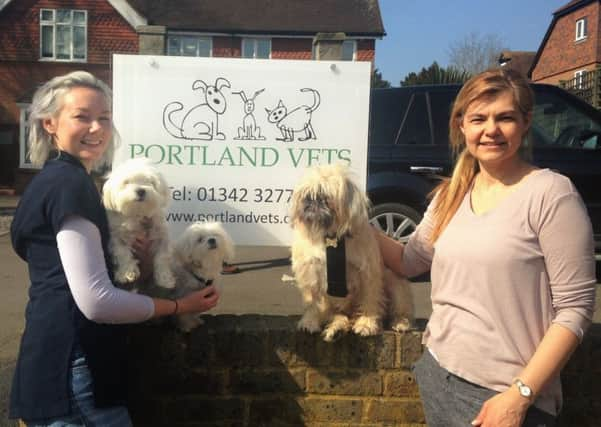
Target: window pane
{"x": 189, "y": 46}
{"x": 204, "y": 47}
{"x": 63, "y": 42}
{"x": 47, "y": 42}
{"x": 441, "y": 104}
{"x": 63, "y": 16}
{"x": 263, "y": 48}
{"x": 348, "y": 48}
{"x": 173, "y": 46}
{"x": 248, "y": 48}
{"x": 79, "y": 17}
{"x": 79, "y": 42}
{"x": 47, "y": 15}
{"x": 416, "y": 128}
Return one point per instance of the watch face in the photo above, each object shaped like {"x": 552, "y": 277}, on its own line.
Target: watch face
{"x": 525, "y": 391}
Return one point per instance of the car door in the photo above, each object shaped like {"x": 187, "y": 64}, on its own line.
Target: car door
{"x": 566, "y": 137}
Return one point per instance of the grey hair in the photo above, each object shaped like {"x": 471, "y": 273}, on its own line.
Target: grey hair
{"x": 47, "y": 103}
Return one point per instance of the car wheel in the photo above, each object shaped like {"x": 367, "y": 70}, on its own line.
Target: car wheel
{"x": 396, "y": 220}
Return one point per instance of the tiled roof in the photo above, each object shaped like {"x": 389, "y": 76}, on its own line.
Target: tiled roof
{"x": 302, "y": 17}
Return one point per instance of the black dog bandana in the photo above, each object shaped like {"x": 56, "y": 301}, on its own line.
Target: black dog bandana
{"x": 336, "y": 267}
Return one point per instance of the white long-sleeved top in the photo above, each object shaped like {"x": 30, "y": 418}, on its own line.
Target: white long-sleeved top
{"x": 80, "y": 250}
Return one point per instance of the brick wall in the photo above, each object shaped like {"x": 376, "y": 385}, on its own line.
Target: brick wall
{"x": 253, "y": 371}
{"x": 562, "y": 55}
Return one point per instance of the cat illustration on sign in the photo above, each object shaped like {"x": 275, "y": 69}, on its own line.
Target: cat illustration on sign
{"x": 249, "y": 129}
{"x": 297, "y": 120}
{"x": 202, "y": 120}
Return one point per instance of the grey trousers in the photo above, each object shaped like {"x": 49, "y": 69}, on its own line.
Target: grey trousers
{"x": 450, "y": 401}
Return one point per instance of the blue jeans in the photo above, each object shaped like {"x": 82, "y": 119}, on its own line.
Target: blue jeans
{"x": 451, "y": 401}
{"x": 83, "y": 411}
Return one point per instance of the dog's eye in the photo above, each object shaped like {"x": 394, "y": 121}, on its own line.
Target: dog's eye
{"x": 201, "y": 239}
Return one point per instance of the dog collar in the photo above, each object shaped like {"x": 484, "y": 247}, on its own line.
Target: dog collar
{"x": 203, "y": 280}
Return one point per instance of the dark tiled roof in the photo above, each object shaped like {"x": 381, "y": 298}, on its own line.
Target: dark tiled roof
{"x": 517, "y": 60}
{"x": 354, "y": 17}
{"x": 569, "y": 5}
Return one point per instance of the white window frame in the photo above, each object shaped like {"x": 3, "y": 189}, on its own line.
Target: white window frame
{"x": 189, "y": 35}
{"x": 254, "y": 41}
{"x": 53, "y": 24}
{"x": 24, "y": 162}
{"x": 354, "y": 43}
{"x": 579, "y": 77}
{"x": 581, "y": 29}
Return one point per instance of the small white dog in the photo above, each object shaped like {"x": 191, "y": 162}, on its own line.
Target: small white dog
{"x": 327, "y": 209}
{"x": 197, "y": 260}
{"x": 135, "y": 196}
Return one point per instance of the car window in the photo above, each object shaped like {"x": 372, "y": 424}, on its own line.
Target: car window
{"x": 441, "y": 104}
{"x": 388, "y": 108}
{"x": 560, "y": 122}
{"x": 415, "y": 125}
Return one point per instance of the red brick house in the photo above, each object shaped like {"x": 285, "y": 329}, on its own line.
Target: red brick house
{"x": 40, "y": 39}
{"x": 571, "y": 47}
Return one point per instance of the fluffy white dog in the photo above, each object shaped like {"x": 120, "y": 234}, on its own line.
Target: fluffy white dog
{"x": 197, "y": 259}
{"x": 135, "y": 196}
{"x": 327, "y": 208}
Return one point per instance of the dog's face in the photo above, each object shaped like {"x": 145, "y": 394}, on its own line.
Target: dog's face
{"x": 328, "y": 203}
{"x": 135, "y": 188}
{"x": 203, "y": 247}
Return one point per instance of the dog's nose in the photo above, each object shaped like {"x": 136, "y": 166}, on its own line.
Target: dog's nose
{"x": 140, "y": 192}
{"x": 212, "y": 243}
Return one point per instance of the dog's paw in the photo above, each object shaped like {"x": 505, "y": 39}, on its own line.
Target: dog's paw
{"x": 366, "y": 325}
{"x": 165, "y": 279}
{"x": 123, "y": 275}
{"x": 186, "y": 323}
{"x": 337, "y": 327}
{"x": 401, "y": 325}
{"x": 309, "y": 324}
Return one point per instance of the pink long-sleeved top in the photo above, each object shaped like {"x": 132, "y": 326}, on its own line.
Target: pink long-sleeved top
{"x": 500, "y": 279}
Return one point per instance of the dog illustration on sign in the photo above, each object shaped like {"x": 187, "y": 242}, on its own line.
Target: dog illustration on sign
{"x": 297, "y": 120}
{"x": 249, "y": 129}
{"x": 202, "y": 120}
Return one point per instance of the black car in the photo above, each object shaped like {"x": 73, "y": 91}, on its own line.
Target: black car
{"x": 409, "y": 150}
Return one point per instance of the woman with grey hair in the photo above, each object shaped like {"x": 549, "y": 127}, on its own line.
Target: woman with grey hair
{"x": 71, "y": 368}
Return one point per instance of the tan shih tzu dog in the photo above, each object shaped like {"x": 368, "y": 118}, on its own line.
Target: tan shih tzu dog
{"x": 135, "y": 196}
{"x": 197, "y": 260}
{"x": 328, "y": 210}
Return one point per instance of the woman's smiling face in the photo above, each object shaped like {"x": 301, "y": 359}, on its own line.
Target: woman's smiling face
{"x": 83, "y": 126}
{"x": 494, "y": 129}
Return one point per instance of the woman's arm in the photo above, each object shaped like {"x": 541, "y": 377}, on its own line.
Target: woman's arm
{"x": 81, "y": 254}
{"x": 391, "y": 250}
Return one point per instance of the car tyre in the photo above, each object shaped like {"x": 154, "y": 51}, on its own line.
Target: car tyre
{"x": 396, "y": 220}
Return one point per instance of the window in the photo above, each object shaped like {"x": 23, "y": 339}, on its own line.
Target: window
{"x": 256, "y": 48}
{"x": 63, "y": 34}
{"x": 581, "y": 29}
{"x": 349, "y": 49}
{"x": 188, "y": 45}
{"x": 579, "y": 77}
{"x": 415, "y": 125}
{"x": 24, "y": 161}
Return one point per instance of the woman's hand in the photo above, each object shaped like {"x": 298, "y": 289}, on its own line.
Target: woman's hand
{"x": 199, "y": 301}
{"x": 506, "y": 409}
{"x": 142, "y": 249}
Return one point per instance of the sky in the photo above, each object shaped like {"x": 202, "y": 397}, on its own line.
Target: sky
{"x": 419, "y": 32}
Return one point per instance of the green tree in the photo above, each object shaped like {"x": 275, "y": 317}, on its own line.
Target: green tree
{"x": 377, "y": 81}
{"x": 435, "y": 74}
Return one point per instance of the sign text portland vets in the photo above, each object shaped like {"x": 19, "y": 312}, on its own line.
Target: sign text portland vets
{"x": 232, "y": 136}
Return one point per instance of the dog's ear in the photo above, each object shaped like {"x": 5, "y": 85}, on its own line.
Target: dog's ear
{"x": 107, "y": 194}
{"x": 199, "y": 84}
{"x": 356, "y": 204}
{"x": 230, "y": 247}
{"x": 221, "y": 82}
{"x": 161, "y": 186}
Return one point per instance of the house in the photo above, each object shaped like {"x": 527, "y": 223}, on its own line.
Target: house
{"x": 570, "y": 53}
{"x": 520, "y": 61}
{"x": 40, "y": 39}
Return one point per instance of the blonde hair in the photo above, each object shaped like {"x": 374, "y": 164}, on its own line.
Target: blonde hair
{"x": 47, "y": 103}
{"x": 451, "y": 191}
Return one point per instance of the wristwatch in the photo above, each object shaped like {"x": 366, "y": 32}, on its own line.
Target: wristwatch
{"x": 524, "y": 390}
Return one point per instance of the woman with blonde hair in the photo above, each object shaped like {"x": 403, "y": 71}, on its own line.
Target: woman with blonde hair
{"x": 511, "y": 255}
{"x": 72, "y": 363}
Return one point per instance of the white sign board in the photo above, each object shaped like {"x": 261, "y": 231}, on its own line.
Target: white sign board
{"x": 232, "y": 136}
